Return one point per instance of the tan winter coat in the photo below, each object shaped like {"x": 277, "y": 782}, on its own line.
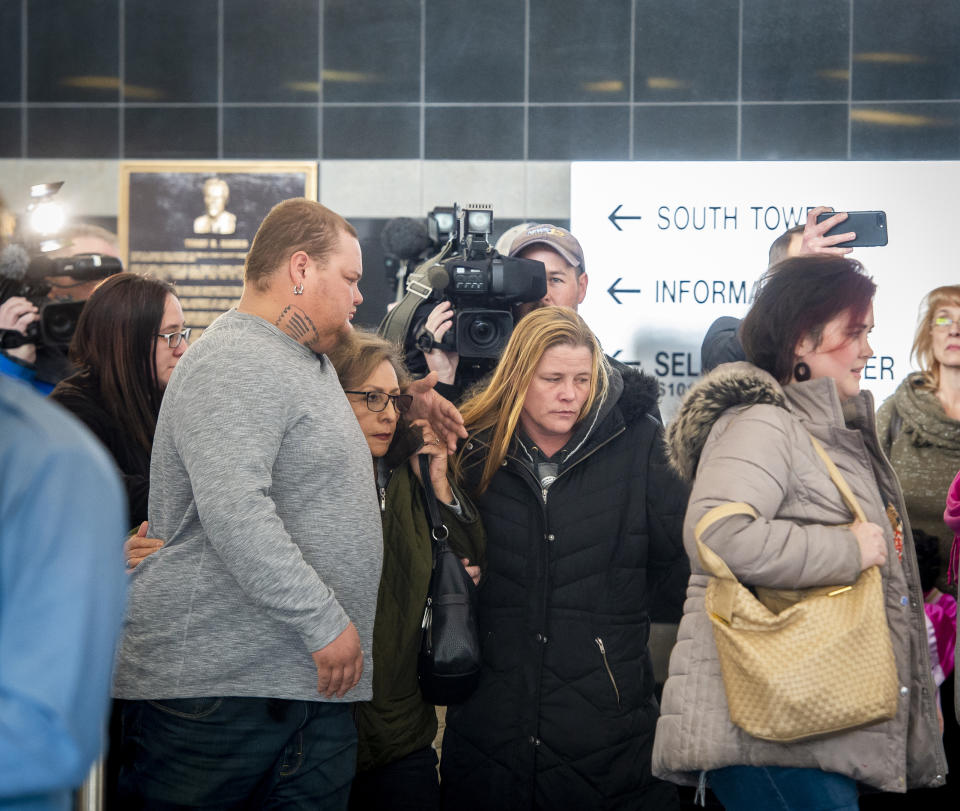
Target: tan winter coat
{"x": 741, "y": 437}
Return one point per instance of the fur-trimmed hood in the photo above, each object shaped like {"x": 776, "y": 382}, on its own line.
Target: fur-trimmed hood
{"x": 727, "y": 386}
{"x": 641, "y": 393}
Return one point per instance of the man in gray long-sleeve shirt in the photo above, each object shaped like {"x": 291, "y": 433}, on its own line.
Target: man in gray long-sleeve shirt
{"x": 247, "y": 633}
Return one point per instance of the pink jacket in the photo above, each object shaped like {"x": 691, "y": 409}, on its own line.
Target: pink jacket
{"x": 951, "y": 517}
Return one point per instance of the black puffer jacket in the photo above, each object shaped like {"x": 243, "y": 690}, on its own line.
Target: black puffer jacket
{"x": 564, "y": 714}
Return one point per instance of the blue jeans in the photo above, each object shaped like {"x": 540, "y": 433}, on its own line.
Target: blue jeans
{"x": 775, "y": 788}
{"x": 236, "y": 753}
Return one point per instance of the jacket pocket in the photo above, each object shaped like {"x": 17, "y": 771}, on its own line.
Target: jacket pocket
{"x": 598, "y": 641}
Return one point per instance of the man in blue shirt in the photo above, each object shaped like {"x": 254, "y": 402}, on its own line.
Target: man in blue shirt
{"x": 62, "y": 527}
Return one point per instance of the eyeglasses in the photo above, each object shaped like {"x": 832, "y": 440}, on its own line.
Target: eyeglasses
{"x": 944, "y": 322}
{"x": 377, "y": 400}
{"x": 174, "y": 338}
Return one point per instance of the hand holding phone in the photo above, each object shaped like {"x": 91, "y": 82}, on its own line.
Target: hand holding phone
{"x": 870, "y": 228}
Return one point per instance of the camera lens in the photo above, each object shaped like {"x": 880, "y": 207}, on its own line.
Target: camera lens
{"x": 483, "y": 333}
{"x": 59, "y": 322}
{"x": 60, "y": 328}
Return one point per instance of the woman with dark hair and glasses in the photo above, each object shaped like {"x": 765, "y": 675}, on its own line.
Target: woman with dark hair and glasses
{"x": 396, "y": 764}
{"x": 128, "y": 340}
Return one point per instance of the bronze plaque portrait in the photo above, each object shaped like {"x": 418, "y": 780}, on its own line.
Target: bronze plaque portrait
{"x": 192, "y": 222}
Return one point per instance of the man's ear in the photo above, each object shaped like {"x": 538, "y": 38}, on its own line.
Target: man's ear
{"x": 581, "y": 287}
{"x": 297, "y": 266}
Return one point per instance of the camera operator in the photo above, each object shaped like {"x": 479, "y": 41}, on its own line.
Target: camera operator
{"x": 18, "y": 313}
{"x": 40, "y": 301}
{"x": 465, "y": 273}
{"x": 566, "y": 277}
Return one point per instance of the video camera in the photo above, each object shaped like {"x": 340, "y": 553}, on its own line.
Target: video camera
{"x": 58, "y": 319}
{"x": 482, "y": 284}
{"x": 26, "y": 271}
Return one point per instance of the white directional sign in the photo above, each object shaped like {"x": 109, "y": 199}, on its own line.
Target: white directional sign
{"x": 669, "y": 247}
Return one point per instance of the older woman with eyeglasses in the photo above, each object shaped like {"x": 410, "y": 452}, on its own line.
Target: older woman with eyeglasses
{"x": 919, "y": 430}
{"x": 396, "y": 764}
{"x": 128, "y": 340}
{"x": 919, "y": 426}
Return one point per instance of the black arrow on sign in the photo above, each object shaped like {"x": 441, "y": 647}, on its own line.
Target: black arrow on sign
{"x": 613, "y": 217}
{"x": 616, "y": 356}
{"x": 613, "y": 290}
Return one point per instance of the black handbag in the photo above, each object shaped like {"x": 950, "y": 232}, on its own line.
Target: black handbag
{"x": 449, "y": 661}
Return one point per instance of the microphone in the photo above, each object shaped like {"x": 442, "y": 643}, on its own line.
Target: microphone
{"x": 13, "y": 262}
{"x": 404, "y": 238}
{"x": 438, "y": 278}
{"x": 13, "y": 266}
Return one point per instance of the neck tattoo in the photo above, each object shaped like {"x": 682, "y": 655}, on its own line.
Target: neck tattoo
{"x": 297, "y": 324}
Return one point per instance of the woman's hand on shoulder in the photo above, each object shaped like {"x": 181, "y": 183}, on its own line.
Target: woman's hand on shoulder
{"x": 873, "y": 546}
{"x": 437, "y": 451}
{"x": 138, "y": 547}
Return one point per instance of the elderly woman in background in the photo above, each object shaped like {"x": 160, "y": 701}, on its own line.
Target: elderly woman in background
{"x": 566, "y": 463}
{"x": 919, "y": 429}
{"x": 764, "y": 502}
{"x": 919, "y": 426}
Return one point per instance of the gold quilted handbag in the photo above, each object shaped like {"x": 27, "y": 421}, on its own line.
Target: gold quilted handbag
{"x": 822, "y": 664}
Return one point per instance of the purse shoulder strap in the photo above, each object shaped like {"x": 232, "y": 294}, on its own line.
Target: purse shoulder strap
{"x": 710, "y": 560}
{"x": 725, "y": 583}
{"x": 438, "y": 530}
{"x": 849, "y": 498}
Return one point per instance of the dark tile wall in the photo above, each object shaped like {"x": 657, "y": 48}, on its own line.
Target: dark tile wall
{"x": 498, "y": 80}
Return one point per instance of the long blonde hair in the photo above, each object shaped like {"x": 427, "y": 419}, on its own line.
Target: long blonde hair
{"x": 923, "y": 341}
{"x": 498, "y": 406}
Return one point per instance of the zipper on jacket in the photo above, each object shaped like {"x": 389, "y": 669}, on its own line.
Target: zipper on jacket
{"x": 382, "y": 476}
{"x": 543, "y": 490}
{"x": 606, "y": 664}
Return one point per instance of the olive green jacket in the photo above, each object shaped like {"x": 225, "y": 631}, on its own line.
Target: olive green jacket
{"x": 398, "y": 721}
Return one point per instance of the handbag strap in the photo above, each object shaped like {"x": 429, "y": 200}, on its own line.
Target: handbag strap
{"x": 849, "y": 498}
{"x": 438, "y": 530}
{"x": 727, "y": 582}
{"x": 725, "y": 590}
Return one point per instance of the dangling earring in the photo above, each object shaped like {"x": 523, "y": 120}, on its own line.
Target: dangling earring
{"x": 298, "y": 290}
{"x": 801, "y": 372}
